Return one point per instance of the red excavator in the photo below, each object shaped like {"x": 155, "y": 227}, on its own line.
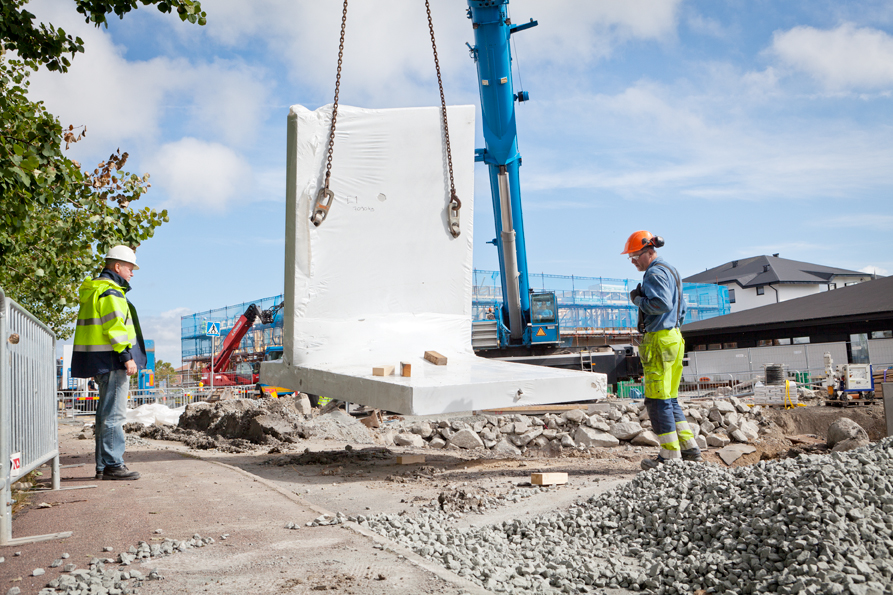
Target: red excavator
{"x": 231, "y": 344}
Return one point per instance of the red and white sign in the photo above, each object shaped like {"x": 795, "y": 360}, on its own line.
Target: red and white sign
{"x": 16, "y": 461}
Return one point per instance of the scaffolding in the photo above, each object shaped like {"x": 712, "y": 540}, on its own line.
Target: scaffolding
{"x": 597, "y": 302}
{"x": 584, "y": 304}
{"x": 196, "y": 346}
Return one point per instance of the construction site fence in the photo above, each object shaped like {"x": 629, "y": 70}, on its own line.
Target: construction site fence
{"x": 29, "y": 434}
{"x": 194, "y": 343}
{"x": 85, "y": 402}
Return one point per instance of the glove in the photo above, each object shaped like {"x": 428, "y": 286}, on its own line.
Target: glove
{"x": 637, "y": 292}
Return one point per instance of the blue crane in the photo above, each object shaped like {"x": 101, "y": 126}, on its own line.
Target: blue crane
{"x": 525, "y": 318}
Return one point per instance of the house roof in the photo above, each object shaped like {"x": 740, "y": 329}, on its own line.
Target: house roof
{"x": 863, "y": 301}
{"x": 770, "y": 270}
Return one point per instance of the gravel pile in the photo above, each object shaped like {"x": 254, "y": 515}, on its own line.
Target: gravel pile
{"x": 116, "y": 578}
{"x": 813, "y": 524}
{"x": 715, "y": 424}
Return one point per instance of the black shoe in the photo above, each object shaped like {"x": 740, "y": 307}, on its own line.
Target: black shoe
{"x": 693, "y": 455}
{"x": 653, "y": 463}
{"x": 98, "y": 475}
{"x": 121, "y": 472}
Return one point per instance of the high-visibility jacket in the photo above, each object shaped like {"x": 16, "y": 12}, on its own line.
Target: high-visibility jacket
{"x": 108, "y": 332}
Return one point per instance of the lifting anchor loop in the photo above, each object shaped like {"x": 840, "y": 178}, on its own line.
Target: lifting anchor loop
{"x": 454, "y": 206}
{"x": 324, "y": 200}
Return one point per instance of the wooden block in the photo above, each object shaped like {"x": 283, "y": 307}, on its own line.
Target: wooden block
{"x": 548, "y": 479}
{"x": 410, "y": 459}
{"x": 382, "y": 370}
{"x": 405, "y": 369}
{"x": 435, "y": 358}
{"x": 372, "y": 421}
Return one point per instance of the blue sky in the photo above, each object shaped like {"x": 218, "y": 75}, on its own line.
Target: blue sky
{"x": 732, "y": 128}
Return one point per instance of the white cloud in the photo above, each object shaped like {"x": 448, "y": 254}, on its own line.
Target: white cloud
{"x": 123, "y": 102}
{"x": 844, "y": 58}
{"x": 164, "y": 329}
{"x": 200, "y": 174}
{"x": 873, "y": 270}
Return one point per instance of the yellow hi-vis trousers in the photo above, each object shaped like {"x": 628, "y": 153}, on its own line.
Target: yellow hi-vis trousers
{"x": 661, "y": 353}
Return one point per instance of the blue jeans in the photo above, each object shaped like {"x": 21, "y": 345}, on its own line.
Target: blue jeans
{"x": 110, "y": 416}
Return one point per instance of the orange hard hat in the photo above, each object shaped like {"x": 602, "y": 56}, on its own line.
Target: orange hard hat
{"x": 642, "y": 239}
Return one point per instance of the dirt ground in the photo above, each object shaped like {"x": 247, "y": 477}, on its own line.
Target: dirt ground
{"x": 251, "y": 497}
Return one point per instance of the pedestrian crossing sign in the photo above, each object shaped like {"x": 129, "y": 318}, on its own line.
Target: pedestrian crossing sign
{"x": 212, "y": 329}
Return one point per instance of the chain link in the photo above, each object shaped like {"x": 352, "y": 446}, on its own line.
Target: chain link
{"x": 455, "y": 203}
{"x": 337, "y": 90}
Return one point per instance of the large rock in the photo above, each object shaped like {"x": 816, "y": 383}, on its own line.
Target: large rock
{"x": 723, "y": 406}
{"x": 576, "y": 416}
{"x": 437, "y": 442}
{"x": 738, "y": 436}
{"x": 526, "y": 437}
{"x": 750, "y": 430}
{"x": 597, "y": 423}
{"x": 845, "y": 429}
{"x": 646, "y": 438}
{"x": 716, "y": 440}
{"x": 423, "y": 429}
{"x": 715, "y": 416}
{"x": 702, "y": 442}
{"x": 506, "y": 448}
{"x": 707, "y": 427}
{"x": 302, "y": 404}
{"x": 626, "y": 430}
{"x": 589, "y": 437}
{"x": 466, "y": 439}
{"x": 850, "y": 444}
{"x": 409, "y": 439}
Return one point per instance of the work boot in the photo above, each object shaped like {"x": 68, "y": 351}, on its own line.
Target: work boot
{"x": 693, "y": 455}
{"x": 98, "y": 475}
{"x": 648, "y": 464}
{"x": 121, "y": 472}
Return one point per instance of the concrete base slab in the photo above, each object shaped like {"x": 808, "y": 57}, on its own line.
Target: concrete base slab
{"x": 466, "y": 383}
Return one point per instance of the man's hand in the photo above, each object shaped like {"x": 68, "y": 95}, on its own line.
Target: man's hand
{"x": 130, "y": 367}
{"x": 637, "y": 292}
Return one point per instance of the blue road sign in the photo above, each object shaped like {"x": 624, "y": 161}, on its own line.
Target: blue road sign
{"x": 212, "y": 329}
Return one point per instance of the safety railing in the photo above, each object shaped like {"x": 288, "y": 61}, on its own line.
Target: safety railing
{"x": 85, "y": 402}
{"x": 29, "y": 434}
{"x": 741, "y": 384}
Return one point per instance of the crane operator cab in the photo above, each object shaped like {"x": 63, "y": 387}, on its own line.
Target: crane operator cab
{"x": 543, "y": 318}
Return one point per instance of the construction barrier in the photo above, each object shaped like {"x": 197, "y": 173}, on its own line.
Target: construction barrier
{"x": 28, "y": 427}
{"x": 85, "y": 402}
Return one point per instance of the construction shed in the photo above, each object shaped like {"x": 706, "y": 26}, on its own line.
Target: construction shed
{"x": 854, "y": 324}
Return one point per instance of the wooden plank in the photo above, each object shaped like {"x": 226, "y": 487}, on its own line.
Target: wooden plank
{"x": 410, "y": 459}
{"x": 405, "y": 369}
{"x": 382, "y": 370}
{"x": 532, "y": 409}
{"x": 548, "y": 479}
{"x": 436, "y": 358}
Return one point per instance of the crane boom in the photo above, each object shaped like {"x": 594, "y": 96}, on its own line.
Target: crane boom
{"x": 492, "y": 55}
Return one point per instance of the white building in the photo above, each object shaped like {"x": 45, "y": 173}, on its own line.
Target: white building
{"x": 763, "y": 280}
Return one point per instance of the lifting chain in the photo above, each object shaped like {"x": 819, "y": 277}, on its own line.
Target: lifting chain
{"x": 455, "y": 204}
{"x": 325, "y": 197}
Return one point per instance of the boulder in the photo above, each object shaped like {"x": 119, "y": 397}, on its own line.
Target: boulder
{"x": 626, "y": 430}
{"x": 422, "y": 428}
{"x": 567, "y": 441}
{"x": 520, "y": 427}
{"x": 731, "y": 419}
{"x": 589, "y": 437}
{"x": 576, "y": 416}
{"x": 526, "y": 437}
{"x": 723, "y": 406}
{"x": 437, "y": 442}
{"x": 646, "y": 438}
{"x": 302, "y": 404}
{"x": 506, "y": 448}
{"x": 715, "y": 416}
{"x": 597, "y": 423}
{"x": 466, "y": 439}
{"x": 845, "y": 429}
{"x": 716, "y": 440}
{"x": 750, "y": 430}
{"x": 409, "y": 439}
{"x": 270, "y": 425}
{"x": 695, "y": 415}
{"x": 702, "y": 442}
{"x": 478, "y": 426}
{"x": 539, "y": 441}
{"x": 707, "y": 427}
{"x": 738, "y": 436}
{"x": 850, "y": 444}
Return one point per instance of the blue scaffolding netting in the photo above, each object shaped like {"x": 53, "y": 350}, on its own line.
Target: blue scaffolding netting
{"x": 583, "y": 303}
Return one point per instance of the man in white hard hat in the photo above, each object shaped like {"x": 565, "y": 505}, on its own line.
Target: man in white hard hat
{"x": 108, "y": 346}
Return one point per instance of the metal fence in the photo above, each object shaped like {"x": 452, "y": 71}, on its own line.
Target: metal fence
{"x": 85, "y": 402}
{"x": 28, "y": 427}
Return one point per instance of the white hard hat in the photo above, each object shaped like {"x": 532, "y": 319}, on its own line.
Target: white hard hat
{"x": 124, "y": 254}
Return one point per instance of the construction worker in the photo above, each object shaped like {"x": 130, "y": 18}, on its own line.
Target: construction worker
{"x": 661, "y": 312}
{"x": 108, "y": 346}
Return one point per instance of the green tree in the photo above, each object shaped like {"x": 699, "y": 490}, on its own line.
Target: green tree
{"x": 165, "y": 371}
{"x": 56, "y": 220}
